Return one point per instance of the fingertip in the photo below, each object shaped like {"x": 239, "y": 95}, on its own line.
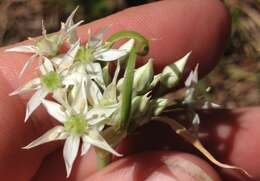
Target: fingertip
{"x": 158, "y": 165}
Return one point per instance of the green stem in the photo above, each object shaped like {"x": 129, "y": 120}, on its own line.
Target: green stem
{"x": 103, "y": 158}
{"x": 143, "y": 43}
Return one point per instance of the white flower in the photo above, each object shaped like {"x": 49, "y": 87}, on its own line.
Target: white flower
{"x": 49, "y": 82}
{"x": 87, "y": 56}
{"x": 48, "y": 45}
{"x": 75, "y": 126}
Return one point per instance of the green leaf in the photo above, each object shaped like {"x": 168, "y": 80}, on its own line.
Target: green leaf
{"x": 127, "y": 89}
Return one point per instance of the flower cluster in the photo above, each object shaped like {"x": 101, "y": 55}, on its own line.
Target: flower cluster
{"x": 92, "y": 106}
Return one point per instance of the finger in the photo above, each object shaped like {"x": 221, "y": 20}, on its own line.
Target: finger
{"x": 152, "y": 165}
{"x": 14, "y": 135}
{"x": 177, "y": 37}
{"x": 157, "y": 165}
{"x": 230, "y": 135}
{"x": 233, "y": 138}
{"x": 53, "y": 167}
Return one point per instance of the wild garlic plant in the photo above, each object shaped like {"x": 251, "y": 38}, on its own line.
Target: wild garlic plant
{"x": 94, "y": 107}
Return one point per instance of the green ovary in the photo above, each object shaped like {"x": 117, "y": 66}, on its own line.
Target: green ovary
{"x": 85, "y": 55}
{"x": 51, "y": 80}
{"x": 76, "y": 125}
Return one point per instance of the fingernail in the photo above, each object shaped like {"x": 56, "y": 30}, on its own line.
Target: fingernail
{"x": 179, "y": 169}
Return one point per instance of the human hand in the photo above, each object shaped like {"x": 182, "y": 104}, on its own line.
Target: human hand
{"x": 179, "y": 26}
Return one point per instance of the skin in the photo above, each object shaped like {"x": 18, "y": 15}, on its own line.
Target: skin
{"x": 178, "y": 27}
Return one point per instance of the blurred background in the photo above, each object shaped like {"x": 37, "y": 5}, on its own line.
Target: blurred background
{"x": 235, "y": 81}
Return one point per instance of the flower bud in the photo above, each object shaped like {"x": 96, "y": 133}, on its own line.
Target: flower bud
{"x": 171, "y": 74}
{"x": 143, "y": 77}
{"x": 159, "y": 105}
{"x": 140, "y": 105}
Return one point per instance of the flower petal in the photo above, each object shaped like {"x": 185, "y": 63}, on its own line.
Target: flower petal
{"x": 23, "y": 49}
{"x": 29, "y": 86}
{"x": 97, "y": 140}
{"x": 97, "y": 39}
{"x": 72, "y": 28}
{"x": 46, "y": 66}
{"x": 69, "y": 57}
{"x": 193, "y": 77}
{"x": 79, "y": 100}
{"x": 85, "y": 147}
{"x": 95, "y": 115}
{"x": 110, "y": 93}
{"x": 127, "y": 46}
{"x": 69, "y": 21}
{"x": 94, "y": 71}
{"x": 55, "y": 110}
{"x": 26, "y": 65}
{"x": 110, "y": 55}
{"x": 56, "y": 133}
{"x": 34, "y": 102}
{"x": 93, "y": 93}
{"x": 70, "y": 151}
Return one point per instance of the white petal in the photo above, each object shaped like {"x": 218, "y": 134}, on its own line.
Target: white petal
{"x": 23, "y": 49}
{"x": 127, "y": 46}
{"x": 79, "y": 101}
{"x": 69, "y": 21}
{"x": 97, "y": 39}
{"x": 116, "y": 74}
{"x": 46, "y": 66}
{"x": 93, "y": 93}
{"x": 95, "y": 115}
{"x": 97, "y": 140}
{"x": 26, "y": 65}
{"x": 69, "y": 28}
{"x": 85, "y": 147}
{"x": 94, "y": 71}
{"x": 55, "y": 110}
{"x": 57, "y": 60}
{"x": 70, "y": 151}
{"x": 74, "y": 78}
{"x": 110, "y": 55}
{"x": 34, "y": 102}
{"x": 193, "y": 77}
{"x": 60, "y": 95}
{"x": 29, "y": 86}
{"x": 69, "y": 56}
{"x": 56, "y": 133}
{"x": 110, "y": 93}
{"x": 73, "y": 27}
